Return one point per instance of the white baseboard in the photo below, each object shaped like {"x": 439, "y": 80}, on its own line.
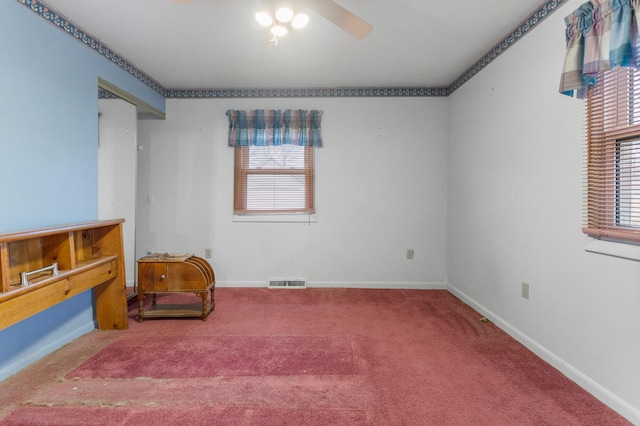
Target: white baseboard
{"x": 345, "y": 284}
{"x": 39, "y": 352}
{"x": 240, "y": 284}
{"x": 587, "y": 383}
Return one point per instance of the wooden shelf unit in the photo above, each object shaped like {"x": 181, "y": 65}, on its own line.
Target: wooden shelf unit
{"x": 88, "y": 255}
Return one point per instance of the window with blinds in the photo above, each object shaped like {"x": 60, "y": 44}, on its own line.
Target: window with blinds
{"x": 612, "y": 193}
{"x": 274, "y": 179}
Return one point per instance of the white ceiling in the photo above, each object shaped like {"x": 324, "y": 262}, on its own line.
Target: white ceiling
{"x": 216, "y": 44}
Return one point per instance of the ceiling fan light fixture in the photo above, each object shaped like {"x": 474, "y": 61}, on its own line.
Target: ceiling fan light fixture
{"x": 300, "y": 21}
{"x": 279, "y": 30}
{"x": 284, "y": 14}
{"x": 264, "y": 18}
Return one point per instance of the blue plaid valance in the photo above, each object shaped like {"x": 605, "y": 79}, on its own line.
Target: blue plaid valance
{"x": 275, "y": 127}
{"x": 600, "y": 35}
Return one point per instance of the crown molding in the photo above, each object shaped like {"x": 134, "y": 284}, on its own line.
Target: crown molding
{"x": 57, "y": 19}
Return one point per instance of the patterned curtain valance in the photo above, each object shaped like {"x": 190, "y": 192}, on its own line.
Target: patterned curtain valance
{"x": 600, "y": 35}
{"x": 275, "y": 127}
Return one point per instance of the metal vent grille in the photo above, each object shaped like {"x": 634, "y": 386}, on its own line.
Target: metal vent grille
{"x": 287, "y": 284}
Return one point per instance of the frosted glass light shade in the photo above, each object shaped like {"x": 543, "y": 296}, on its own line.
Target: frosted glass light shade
{"x": 264, "y": 18}
{"x": 284, "y": 14}
{"x": 300, "y": 21}
{"x": 279, "y": 30}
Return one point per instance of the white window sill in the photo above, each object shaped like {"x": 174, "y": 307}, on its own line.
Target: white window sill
{"x": 276, "y": 218}
{"x": 616, "y": 249}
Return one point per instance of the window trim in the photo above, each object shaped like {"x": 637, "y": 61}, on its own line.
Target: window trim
{"x": 276, "y": 218}
{"x": 242, "y": 170}
{"x": 620, "y": 249}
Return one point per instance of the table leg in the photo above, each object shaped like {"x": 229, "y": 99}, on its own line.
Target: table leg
{"x": 140, "y": 303}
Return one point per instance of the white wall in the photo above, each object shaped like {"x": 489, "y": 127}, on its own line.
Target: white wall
{"x": 381, "y": 189}
{"x": 515, "y": 189}
{"x": 117, "y": 158}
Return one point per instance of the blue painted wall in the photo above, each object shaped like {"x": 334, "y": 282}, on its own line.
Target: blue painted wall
{"x": 49, "y": 155}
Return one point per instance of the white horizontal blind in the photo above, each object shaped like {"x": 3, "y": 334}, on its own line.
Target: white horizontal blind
{"x": 275, "y": 192}
{"x": 274, "y": 179}
{"x": 612, "y": 193}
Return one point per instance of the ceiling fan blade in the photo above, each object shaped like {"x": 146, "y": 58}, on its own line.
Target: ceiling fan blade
{"x": 340, "y": 16}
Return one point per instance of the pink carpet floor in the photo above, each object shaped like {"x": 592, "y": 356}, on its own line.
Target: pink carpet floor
{"x": 302, "y": 357}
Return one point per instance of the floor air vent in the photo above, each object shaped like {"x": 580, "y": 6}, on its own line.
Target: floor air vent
{"x": 287, "y": 284}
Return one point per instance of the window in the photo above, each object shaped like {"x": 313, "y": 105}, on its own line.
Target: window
{"x": 627, "y": 183}
{"x": 274, "y": 168}
{"x": 613, "y": 156}
{"x": 274, "y": 179}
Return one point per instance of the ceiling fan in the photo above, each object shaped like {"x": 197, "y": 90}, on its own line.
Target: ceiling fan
{"x": 334, "y": 13}
{"x": 338, "y": 15}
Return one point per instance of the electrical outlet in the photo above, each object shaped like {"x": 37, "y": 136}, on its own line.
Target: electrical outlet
{"x": 410, "y": 253}
{"x": 207, "y": 253}
{"x": 525, "y": 290}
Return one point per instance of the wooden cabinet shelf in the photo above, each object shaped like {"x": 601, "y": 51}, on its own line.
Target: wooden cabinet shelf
{"x": 42, "y": 267}
{"x": 178, "y": 310}
{"x": 164, "y": 273}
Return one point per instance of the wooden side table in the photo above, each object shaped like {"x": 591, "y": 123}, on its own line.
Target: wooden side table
{"x": 160, "y": 273}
